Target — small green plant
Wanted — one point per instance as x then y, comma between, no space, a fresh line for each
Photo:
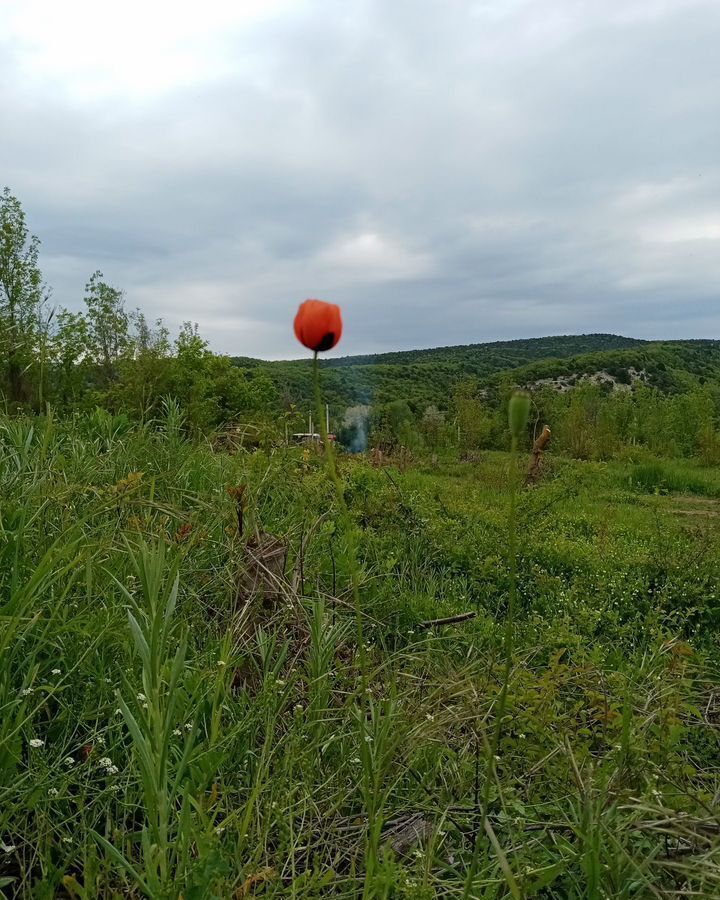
164,743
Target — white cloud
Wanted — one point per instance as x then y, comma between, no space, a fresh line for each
94,49
448,172
372,257
684,230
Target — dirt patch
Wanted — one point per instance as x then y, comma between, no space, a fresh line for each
695,506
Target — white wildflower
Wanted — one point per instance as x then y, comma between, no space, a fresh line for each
8,848
53,792
188,726
69,761
105,762
112,770
25,692
141,696
177,732
430,717
118,712
221,662
36,742
56,672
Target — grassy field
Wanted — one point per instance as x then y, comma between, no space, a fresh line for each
186,711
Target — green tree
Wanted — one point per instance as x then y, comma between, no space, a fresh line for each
474,423
22,294
145,369
433,426
211,389
108,326
393,425
69,356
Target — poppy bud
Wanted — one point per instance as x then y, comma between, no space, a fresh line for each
518,412
318,325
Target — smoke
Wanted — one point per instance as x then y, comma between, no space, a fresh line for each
355,426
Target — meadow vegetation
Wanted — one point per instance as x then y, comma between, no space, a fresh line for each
173,728
225,674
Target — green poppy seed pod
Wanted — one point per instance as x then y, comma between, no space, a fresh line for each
518,412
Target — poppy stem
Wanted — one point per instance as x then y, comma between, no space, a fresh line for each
366,718
347,526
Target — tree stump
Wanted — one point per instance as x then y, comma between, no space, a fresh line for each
538,449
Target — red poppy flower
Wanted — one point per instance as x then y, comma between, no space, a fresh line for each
318,325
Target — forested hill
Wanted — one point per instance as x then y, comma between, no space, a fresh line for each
480,358
669,366
424,377
483,358
427,376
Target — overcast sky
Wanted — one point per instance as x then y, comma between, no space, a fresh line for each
449,171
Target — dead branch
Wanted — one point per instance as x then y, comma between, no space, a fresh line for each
449,620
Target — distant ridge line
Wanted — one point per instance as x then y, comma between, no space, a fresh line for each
614,341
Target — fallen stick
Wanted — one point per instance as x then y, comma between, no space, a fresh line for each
450,620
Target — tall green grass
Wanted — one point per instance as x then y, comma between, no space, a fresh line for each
666,476
149,746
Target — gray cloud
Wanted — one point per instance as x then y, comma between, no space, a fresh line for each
447,170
